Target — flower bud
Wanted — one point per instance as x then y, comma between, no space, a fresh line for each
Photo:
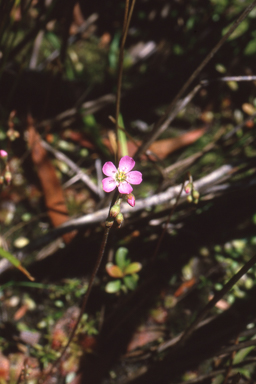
8,177
3,153
188,188
119,218
12,134
130,198
189,198
195,194
114,211
109,222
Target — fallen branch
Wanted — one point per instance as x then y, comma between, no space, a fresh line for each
202,185
171,193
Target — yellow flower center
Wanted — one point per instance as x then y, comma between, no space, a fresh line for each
120,176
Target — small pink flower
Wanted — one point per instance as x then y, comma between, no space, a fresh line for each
3,153
121,177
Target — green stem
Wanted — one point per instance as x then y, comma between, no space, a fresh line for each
127,19
87,294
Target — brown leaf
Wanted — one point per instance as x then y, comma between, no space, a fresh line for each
53,194
79,138
163,148
21,312
248,108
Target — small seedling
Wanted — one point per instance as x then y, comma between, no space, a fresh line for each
123,271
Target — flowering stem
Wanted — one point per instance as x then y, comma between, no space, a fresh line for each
92,278
127,19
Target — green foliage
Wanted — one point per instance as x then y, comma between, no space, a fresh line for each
122,137
239,31
113,52
121,257
15,262
250,48
124,269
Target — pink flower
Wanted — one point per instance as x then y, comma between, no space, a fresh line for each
121,177
3,153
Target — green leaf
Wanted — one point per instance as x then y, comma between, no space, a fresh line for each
113,286
232,85
218,379
121,260
122,137
90,121
53,40
113,52
131,281
250,48
241,355
15,262
91,126
132,268
114,270
239,31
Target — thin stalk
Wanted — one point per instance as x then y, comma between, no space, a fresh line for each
87,294
85,300
127,19
68,20
215,299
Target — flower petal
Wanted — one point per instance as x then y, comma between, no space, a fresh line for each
125,187
108,184
126,164
109,169
134,177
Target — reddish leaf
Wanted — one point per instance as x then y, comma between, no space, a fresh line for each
184,287
88,343
249,124
59,338
21,312
114,270
4,368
